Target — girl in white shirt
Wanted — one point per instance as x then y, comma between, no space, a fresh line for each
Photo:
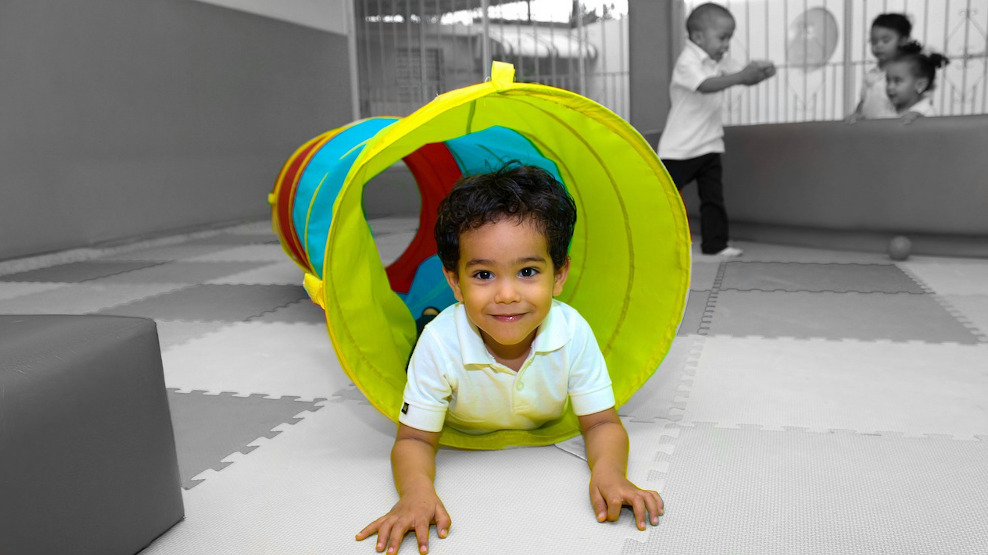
910,76
890,32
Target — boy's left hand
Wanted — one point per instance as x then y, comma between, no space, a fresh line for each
610,491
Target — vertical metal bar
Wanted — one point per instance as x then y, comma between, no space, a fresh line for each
350,17
984,80
967,28
848,56
581,31
946,39
806,49
423,66
485,44
385,84
553,55
749,96
535,38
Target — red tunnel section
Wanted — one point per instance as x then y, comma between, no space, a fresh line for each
436,171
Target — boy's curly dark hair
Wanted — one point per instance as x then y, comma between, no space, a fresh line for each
512,192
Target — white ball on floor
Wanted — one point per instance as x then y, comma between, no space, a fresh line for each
899,248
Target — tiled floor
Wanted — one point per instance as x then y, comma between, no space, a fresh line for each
814,402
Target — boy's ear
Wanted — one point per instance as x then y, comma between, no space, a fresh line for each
922,84
560,279
453,279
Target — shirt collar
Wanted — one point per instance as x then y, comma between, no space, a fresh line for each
699,53
552,335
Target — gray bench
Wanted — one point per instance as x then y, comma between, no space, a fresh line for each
87,451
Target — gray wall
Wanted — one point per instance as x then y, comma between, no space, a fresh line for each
123,119
655,33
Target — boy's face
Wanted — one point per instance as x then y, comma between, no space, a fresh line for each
885,43
506,281
715,36
902,87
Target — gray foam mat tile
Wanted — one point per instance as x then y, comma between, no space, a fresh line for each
839,278
228,303
702,276
972,309
768,252
744,491
182,272
76,272
208,428
235,239
696,307
862,316
301,312
83,298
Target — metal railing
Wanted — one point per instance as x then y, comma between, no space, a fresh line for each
409,51
821,50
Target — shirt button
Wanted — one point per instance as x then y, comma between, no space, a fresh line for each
520,386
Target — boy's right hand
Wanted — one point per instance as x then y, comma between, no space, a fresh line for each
415,511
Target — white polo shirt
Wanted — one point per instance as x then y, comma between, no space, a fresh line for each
452,378
875,103
694,126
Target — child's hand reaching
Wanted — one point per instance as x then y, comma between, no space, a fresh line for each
415,511
756,72
611,491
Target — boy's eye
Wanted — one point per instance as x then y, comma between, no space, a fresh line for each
528,272
483,274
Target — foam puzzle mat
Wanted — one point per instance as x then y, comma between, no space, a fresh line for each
813,401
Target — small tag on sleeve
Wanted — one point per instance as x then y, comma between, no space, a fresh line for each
404,408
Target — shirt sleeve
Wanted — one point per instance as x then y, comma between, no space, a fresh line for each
427,390
688,73
590,388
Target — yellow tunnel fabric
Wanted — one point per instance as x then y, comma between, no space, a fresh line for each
630,256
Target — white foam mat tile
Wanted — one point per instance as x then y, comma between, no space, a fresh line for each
10,290
82,298
392,245
283,272
320,481
951,278
264,252
172,333
166,252
869,387
276,359
385,226
662,396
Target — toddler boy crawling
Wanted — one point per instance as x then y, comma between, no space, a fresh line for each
507,355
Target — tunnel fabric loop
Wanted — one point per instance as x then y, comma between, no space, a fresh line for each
630,255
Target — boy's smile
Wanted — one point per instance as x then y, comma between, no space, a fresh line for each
505,280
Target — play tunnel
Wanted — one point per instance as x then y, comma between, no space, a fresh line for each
630,255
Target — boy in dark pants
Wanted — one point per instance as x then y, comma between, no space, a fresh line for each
692,142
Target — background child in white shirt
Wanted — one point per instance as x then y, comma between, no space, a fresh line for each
890,32
910,76
692,141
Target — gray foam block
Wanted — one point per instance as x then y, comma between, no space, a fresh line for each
88,461
76,272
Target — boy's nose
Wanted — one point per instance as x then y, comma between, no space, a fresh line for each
506,293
